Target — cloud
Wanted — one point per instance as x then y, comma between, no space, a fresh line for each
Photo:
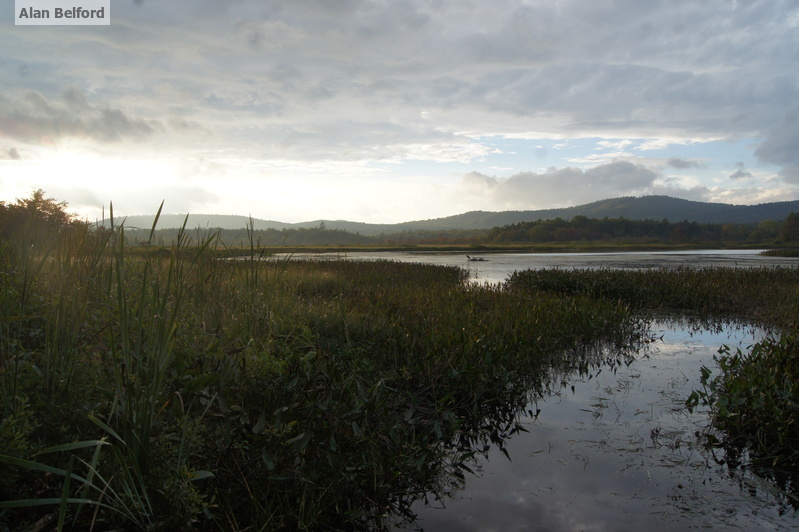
693,193
567,186
182,125
790,174
752,195
614,145
140,199
303,66
11,153
741,174
509,58
781,146
681,164
359,84
34,119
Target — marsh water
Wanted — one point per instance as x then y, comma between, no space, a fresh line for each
495,267
614,449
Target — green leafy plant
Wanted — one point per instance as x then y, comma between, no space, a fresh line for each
754,400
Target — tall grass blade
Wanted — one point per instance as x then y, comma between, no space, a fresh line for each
62,510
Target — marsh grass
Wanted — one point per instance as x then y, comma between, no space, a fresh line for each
766,295
173,389
781,252
753,398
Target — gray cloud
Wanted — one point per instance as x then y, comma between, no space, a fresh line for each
182,125
741,174
781,146
567,186
360,81
32,118
790,174
11,153
662,66
695,193
681,164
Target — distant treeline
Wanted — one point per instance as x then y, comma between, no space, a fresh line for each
581,228
316,236
50,214
578,229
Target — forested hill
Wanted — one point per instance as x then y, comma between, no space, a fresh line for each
631,208
643,208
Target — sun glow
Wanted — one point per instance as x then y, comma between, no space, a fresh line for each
85,179
98,172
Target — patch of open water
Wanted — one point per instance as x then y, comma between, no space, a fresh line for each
496,267
615,449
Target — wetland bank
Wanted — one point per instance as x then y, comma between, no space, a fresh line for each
166,389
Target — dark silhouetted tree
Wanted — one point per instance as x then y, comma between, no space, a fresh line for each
789,232
37,213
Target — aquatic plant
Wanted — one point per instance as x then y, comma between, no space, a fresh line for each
781,252
767,295
754,401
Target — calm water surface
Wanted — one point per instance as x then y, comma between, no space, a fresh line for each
615,450
497,266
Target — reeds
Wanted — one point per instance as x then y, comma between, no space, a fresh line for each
753,401
276,393
767,295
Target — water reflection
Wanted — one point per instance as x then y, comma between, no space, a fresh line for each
613,449
498,266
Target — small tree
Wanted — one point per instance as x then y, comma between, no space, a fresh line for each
36,213
789,232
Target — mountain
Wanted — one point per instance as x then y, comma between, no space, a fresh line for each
632,208
640,208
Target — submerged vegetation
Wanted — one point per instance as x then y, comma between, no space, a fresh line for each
172,389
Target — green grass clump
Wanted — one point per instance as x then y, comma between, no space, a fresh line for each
781,252
766,295
754,401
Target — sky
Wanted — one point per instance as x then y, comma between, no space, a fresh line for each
386,111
